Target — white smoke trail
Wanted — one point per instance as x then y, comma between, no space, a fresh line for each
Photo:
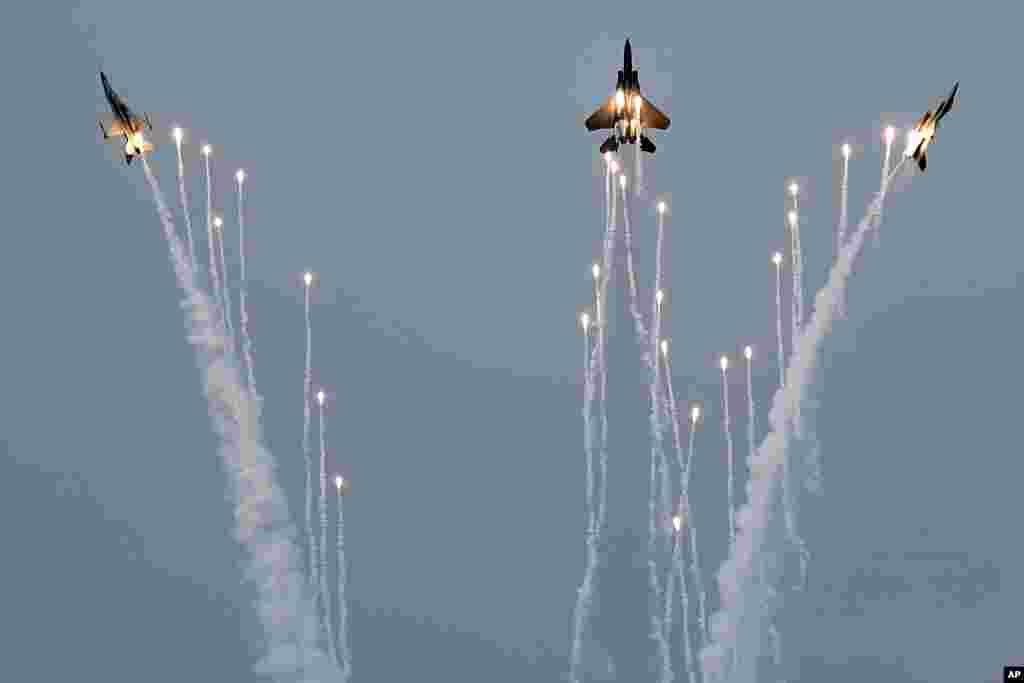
226,291
184,202
307,381
686,472
242,292
325,594
777,259
727,428
211,239
596,364
585,594
736,626
634,301
588,433
774,638
890,132
659,407
657,629
639,165
751,444
844,194
606,277
678,566
344,650
261,511
797,256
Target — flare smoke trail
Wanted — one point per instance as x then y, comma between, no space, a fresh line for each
751,443
886,161
634,300
226,291
242,291
325,594
736,625
843,218
606,278
778,318
798,269
307,381
684,512
686,472
657,628
261,511
211,239
844,194
595,369
659,404
680,574
184,202
727,427
588,434
639,167
774,639
585,594
343,647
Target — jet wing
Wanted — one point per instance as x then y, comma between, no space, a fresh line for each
604,117
947,104
111,127
651,116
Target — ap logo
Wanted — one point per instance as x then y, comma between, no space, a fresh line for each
1013,673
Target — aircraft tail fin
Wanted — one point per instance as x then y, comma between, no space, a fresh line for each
128,159
922,161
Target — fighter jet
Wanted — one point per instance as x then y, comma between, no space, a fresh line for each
627,113
923,134
126,123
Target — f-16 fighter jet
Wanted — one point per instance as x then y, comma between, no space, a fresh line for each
627,113
126,123
923,134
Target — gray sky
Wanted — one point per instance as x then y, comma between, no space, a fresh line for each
429,162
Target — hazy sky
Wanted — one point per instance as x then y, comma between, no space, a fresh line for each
429,162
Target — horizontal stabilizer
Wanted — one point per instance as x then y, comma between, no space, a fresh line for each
647,145
610,145
922,162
